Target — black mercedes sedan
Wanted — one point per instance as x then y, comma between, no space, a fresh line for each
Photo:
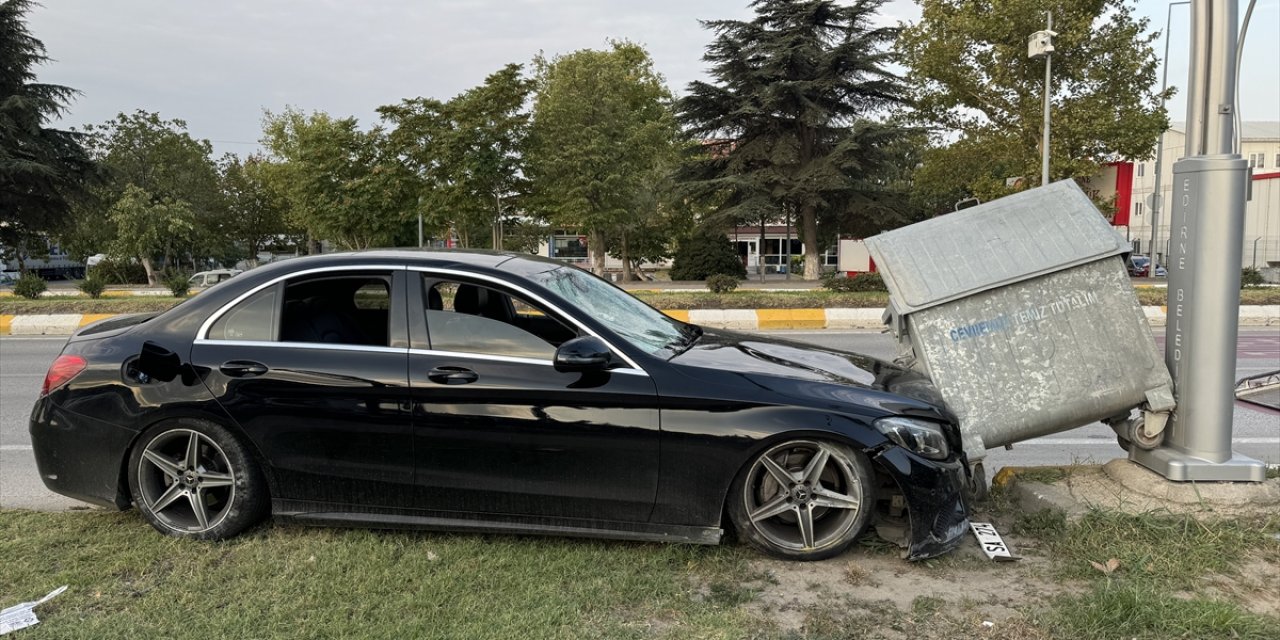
490,392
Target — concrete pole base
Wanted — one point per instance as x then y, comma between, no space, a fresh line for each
1181,467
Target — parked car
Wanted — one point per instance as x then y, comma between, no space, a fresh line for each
477,391
209,278
1139,266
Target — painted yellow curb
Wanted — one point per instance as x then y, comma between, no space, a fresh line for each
679,314
5,321
90,318
791,318
1005,476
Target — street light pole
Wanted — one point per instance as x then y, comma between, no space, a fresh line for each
1040,44
1157,198
1048,62
1207,234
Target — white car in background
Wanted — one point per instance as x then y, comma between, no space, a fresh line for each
210,278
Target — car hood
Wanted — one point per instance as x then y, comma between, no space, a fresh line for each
835,378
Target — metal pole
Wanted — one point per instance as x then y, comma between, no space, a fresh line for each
1207,239
419,222
787,252
1157,199
1044,162
1255,251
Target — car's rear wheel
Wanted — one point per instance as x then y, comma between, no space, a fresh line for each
195,479
803,499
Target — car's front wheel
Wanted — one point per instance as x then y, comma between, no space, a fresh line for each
195,479
803,499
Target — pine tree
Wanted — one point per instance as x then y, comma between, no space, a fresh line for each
41,168
787,117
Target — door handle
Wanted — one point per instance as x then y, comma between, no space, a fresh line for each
452,375
243,368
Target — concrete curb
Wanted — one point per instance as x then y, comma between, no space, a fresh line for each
739,319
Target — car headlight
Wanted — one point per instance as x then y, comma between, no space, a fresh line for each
924,438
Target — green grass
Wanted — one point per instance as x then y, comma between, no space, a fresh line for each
1138,610
1165,549
72,304
126,581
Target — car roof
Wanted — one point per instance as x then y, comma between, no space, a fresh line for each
502,260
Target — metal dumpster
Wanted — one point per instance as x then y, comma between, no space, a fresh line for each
1022,313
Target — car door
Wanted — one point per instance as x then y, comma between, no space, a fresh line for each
498,430
314,370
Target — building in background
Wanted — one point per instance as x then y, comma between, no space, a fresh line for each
1131,185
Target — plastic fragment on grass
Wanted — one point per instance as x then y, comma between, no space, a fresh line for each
23,615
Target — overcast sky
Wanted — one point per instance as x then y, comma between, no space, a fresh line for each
217,65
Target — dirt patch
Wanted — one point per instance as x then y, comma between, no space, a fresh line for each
1256,588
963,588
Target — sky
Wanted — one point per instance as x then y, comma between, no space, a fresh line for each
218,65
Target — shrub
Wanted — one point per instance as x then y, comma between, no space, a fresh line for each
860,282
93,285
722,283
704,254
1251,277
29,286
179,283
120,272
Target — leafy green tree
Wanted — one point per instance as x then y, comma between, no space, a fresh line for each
971,74
255,213
341,184
42,169
786,118
147,226
467,152
142,154
601,124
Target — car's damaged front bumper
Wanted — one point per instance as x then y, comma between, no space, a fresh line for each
934,495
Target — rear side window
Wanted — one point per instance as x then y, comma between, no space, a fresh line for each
252,319
351,309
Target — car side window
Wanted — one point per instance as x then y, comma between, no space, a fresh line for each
253,319
351,309
469,318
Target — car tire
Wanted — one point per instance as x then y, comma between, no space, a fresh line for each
216,496
803,499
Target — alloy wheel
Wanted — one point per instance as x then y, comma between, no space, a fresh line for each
186,481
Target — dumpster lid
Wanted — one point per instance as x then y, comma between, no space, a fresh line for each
998,243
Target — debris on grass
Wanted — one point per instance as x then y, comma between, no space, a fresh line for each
23,614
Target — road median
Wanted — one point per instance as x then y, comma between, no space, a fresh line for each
62,324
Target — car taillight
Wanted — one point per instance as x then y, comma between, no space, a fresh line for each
61,372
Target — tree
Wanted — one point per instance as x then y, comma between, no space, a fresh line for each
601,123
42,169
787,117
144,155
147,226
467,152
341,183
254,211
972,76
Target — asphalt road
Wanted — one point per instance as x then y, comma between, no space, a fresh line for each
23,362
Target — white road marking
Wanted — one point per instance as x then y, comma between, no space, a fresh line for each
15,447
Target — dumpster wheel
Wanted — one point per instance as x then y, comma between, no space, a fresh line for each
1138,435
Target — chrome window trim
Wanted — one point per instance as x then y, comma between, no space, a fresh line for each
536,298
324,346
511,359
202,335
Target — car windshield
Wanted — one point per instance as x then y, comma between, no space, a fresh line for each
636,322
1141,261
